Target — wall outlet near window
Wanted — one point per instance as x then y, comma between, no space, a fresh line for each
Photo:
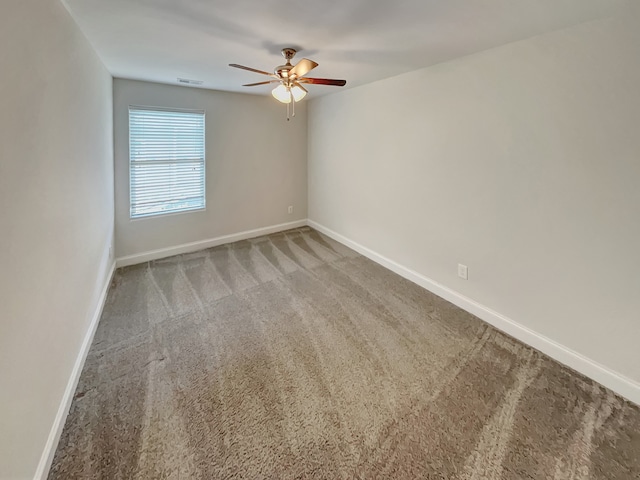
463,271
290,209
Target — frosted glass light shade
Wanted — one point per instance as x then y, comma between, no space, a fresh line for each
298,92
282,94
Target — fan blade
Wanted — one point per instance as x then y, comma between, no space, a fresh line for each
235,65
323,81
260,83
302,67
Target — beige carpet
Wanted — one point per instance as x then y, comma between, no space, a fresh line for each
291,356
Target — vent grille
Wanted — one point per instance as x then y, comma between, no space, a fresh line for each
189,82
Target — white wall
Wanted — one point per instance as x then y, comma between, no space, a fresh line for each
522,162
56,216
256,166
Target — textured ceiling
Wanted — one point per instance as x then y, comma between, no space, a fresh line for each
358,40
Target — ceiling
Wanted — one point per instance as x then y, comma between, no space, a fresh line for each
357,40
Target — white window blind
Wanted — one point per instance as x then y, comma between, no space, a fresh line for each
166,161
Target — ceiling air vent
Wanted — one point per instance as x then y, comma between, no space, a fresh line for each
189,82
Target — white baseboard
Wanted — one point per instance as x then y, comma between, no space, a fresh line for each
620,384
202,244
61,417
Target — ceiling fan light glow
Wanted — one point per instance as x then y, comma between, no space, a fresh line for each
282,94
298,92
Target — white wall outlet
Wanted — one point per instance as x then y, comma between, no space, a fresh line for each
463,271
290,209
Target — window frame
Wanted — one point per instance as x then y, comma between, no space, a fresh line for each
144,216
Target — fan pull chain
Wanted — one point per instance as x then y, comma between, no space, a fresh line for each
287,112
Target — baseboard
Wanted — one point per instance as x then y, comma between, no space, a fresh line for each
620,384
202,244
61,417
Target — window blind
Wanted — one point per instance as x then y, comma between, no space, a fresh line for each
166,161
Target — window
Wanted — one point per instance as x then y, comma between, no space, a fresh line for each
166,161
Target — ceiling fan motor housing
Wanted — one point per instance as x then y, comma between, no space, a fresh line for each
283,70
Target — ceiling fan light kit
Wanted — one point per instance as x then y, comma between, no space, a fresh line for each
282,94
290,78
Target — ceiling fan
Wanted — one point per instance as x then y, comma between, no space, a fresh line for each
291,78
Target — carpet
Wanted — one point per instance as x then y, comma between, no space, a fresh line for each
291,356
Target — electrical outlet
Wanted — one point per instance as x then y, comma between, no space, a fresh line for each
463,271
290,210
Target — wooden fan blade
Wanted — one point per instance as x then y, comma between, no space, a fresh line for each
302,67
260,83
235,65
323,81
